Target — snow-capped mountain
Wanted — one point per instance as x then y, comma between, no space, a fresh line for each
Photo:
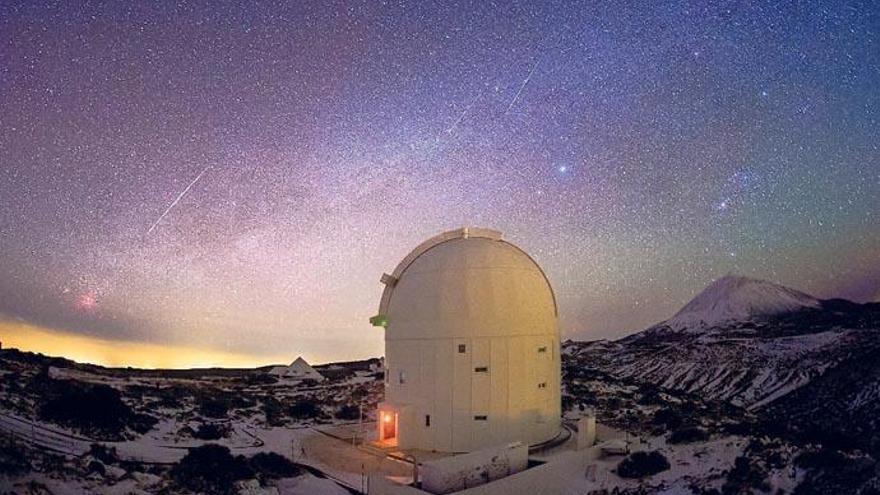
758,345
731,299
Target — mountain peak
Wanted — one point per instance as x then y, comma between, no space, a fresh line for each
736,298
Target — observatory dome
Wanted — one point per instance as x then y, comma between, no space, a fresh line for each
470,287
471,346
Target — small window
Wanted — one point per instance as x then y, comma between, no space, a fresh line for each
462,348
427,420
542,385
481,369
542,349
401,377
481,417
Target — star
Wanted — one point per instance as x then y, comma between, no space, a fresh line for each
722,205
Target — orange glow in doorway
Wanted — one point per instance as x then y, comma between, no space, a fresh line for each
388,428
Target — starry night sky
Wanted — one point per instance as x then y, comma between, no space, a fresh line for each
636,151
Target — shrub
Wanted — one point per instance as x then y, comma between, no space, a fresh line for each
142,423
272,466
210,469
348,412
103,453
274,411
742,428
650,395
95,409
841,474
217,404
13,459
213,407
744,478
211,431
688,435
304,409
641,464
668,417
359,393
824,458
96,467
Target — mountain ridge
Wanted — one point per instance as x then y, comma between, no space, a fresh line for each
735,298
775,351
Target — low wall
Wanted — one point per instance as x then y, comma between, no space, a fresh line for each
454,474
560,475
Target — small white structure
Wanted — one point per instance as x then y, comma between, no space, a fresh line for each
472,348
586,435
452,474
298,370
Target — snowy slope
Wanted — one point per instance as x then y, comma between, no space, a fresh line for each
733,298
746,341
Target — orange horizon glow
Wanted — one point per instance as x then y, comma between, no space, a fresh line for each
115,354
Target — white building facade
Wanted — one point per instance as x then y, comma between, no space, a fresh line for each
472,346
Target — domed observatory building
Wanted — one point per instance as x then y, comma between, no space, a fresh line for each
472,349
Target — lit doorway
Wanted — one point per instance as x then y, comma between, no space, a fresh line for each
388,427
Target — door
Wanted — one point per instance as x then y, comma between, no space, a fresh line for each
388,431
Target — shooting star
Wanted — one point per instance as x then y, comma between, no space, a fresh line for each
178,198
461,117
528,78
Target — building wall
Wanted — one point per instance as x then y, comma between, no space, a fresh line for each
432,378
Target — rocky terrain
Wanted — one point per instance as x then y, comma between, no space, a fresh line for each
801,369
67,427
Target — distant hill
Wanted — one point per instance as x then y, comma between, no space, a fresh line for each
779,352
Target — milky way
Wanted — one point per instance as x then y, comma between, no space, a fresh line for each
637,152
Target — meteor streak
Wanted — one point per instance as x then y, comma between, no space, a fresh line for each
178,198
461,117
528,78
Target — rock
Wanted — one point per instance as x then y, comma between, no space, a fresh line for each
145,479
252,487
96,467
114,472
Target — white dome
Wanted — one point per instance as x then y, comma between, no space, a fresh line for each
470,286
472,355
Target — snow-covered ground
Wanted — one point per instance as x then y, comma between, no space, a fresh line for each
318,427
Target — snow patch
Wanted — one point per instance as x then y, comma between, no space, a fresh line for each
734,298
